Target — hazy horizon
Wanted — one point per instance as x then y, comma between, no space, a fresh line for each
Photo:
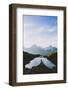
40,46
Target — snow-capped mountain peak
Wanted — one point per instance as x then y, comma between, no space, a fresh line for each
39,50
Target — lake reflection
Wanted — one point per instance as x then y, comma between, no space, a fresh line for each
37,61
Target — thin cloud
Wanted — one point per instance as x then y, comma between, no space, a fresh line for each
43,34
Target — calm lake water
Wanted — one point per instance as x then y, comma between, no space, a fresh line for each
37,61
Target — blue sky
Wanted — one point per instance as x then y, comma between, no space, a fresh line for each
40,30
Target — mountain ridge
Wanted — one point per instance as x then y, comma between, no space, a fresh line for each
39,50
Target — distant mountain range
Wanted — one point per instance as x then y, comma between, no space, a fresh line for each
42,51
